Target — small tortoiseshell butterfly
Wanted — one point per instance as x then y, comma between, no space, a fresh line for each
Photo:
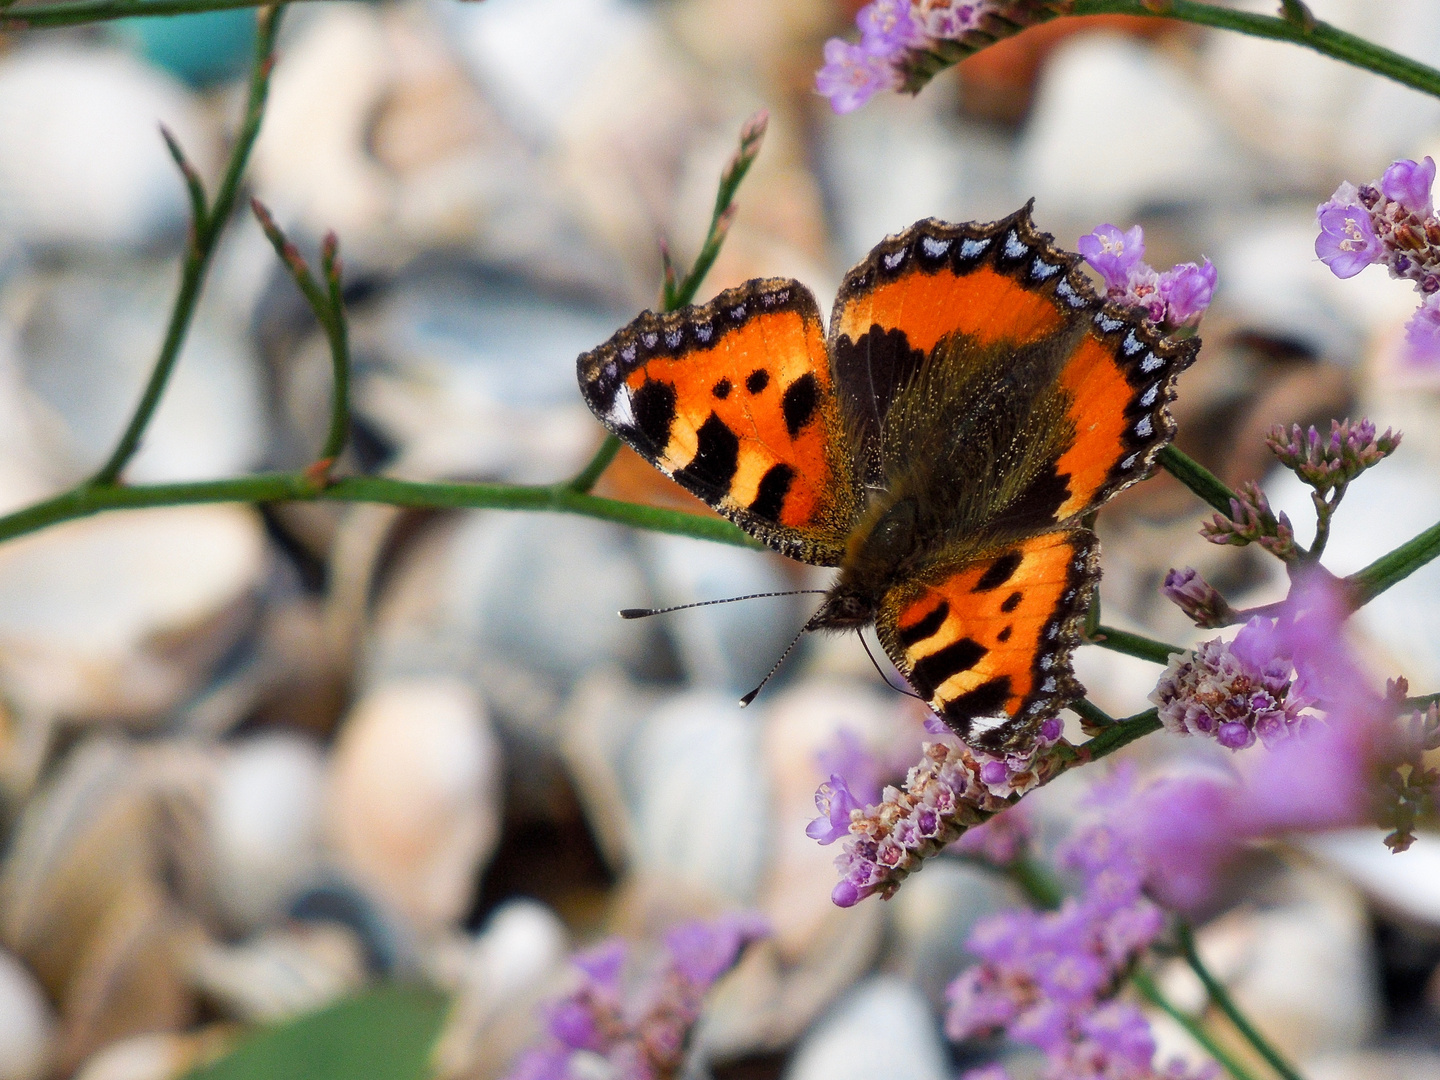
973,401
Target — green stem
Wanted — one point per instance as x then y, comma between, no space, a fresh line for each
1396,566
1093,716
585,481
1122,641
297,487
1145,984
337,332
1221,997
205,232
1197,478
1037,881
1121,733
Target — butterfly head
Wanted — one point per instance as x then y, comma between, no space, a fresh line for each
844,609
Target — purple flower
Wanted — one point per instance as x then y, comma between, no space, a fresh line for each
835,804
1408,183
888,28
1113,254
1186,290
701,952
853,74
1347,242
1422,332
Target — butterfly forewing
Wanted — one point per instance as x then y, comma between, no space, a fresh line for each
735,401
987,641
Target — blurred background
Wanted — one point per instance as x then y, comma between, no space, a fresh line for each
373,771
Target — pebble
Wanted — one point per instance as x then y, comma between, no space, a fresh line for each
883,1027
100,105
1077,162
265,826
27,1023
414,797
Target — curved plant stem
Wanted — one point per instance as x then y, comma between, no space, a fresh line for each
1122,641
1121,733
586,478
1221,997
1396,566
1197,478
338,333
295,487
205,228
1145,984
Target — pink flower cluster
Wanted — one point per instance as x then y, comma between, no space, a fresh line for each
952,789
1173,298
1391,221
633,1025
1048,978
889,31
1330,463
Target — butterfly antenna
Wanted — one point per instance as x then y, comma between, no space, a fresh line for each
643,612
794,641
881,671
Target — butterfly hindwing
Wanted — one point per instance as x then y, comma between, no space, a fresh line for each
986,641
735,401
1002,289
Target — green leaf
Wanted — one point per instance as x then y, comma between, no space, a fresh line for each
384,1034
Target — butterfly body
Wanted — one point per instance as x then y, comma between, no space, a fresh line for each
972,401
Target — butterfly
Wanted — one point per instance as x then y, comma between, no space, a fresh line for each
973,401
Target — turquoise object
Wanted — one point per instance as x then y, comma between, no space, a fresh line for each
200,49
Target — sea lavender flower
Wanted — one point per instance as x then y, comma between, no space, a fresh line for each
1392,222
1329,463
1251,521
1195,596
1232,692
1410,785
890,32
1048,978
627,1023
1175,298
950,790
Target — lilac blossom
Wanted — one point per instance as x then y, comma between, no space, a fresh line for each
1329,463
1252,521
853,74
626,1022
1049,978
1393,222
1172,299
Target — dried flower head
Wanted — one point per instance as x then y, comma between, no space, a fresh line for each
1410,786
950,790
1251,521
1195,596
1329,463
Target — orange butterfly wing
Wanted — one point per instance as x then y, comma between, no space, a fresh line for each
987,641
1006,284
735,401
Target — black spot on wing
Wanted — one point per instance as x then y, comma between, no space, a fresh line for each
1004,635
757,380
721,389
932,671
999,572
926,627
770,496
799,401
987,699
1012,602
716,457
654,408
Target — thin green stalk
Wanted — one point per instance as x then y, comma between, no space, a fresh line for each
1222,999
1394,567
1121,733
1122,641
338,334
586,479
1197,478
1094,717
678,294
205,232
1037,881
1145,984
91,499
